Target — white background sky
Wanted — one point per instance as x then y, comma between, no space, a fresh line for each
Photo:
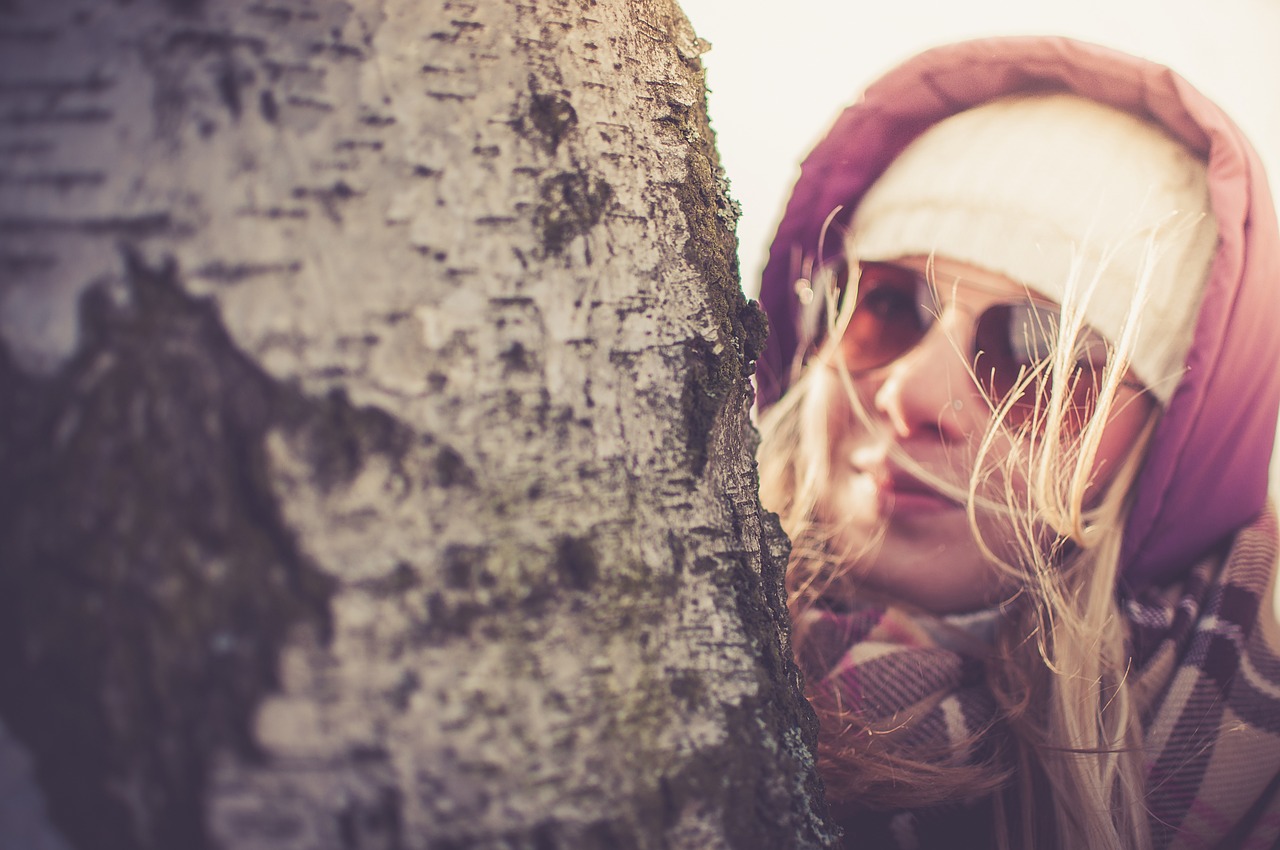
780,70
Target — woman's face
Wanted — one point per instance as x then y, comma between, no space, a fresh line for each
930,415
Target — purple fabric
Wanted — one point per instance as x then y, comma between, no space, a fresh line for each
1206,471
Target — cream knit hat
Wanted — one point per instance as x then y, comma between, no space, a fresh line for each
1027,186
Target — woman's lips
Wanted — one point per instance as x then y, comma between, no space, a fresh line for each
904,494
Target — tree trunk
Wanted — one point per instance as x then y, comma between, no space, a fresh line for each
375,462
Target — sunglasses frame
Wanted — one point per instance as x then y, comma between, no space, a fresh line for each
999,386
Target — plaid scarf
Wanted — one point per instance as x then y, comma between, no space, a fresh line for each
1206,658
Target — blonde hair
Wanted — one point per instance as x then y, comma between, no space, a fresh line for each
1070,773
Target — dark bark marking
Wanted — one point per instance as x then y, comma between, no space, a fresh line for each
239,272
704,565
337,50
549,120
157,415
463,566
755,328
578,562
688,688
707,382
227,81
357,144
277,15
571,204
27,147
93,84
447,467
205,41
195,67
445,95
273,212
372,825
679,553
402,693
85,115
517,358
21,264
544,837
28,36
472,588
121,227
149,579
329,197
267,106
620,833
188,8
59,181
399,581
339,439
447,616
309,103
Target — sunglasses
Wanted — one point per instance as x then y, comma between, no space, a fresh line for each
1013,339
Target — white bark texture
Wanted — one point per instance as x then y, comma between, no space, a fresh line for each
377,470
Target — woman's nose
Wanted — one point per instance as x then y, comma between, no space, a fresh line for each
929,390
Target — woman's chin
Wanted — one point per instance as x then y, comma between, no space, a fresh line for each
932,561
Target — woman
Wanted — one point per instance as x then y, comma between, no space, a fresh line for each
1017,409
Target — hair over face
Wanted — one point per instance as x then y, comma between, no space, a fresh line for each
1206,471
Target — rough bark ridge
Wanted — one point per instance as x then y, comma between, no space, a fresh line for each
375,466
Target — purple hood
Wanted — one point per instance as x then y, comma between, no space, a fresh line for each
1206,472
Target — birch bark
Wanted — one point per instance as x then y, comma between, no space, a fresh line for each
375,462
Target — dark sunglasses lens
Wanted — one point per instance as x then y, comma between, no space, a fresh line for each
891,316
1009,341
1012,340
